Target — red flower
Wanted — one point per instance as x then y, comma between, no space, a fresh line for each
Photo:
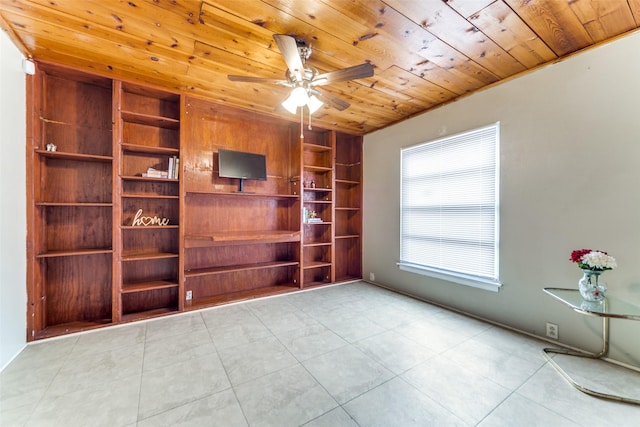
576,256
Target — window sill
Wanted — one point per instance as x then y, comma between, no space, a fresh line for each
474,282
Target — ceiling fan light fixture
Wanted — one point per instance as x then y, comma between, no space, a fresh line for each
290,105
298,98
314,104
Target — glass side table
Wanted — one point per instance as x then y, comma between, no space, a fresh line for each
609,308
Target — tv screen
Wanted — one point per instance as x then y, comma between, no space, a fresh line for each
238,164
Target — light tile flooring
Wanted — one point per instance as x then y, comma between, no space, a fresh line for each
347,355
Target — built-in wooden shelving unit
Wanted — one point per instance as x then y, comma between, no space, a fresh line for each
110,245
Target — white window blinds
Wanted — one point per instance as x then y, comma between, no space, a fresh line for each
449,205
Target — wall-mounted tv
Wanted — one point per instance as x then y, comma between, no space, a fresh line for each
241,165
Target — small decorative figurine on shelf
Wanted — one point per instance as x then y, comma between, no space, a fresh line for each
51,147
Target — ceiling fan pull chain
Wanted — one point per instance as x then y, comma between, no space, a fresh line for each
310,128
301,122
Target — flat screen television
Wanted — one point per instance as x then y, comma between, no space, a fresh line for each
241,165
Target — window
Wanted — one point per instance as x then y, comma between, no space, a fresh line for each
449,208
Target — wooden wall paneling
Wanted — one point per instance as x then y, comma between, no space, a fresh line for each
228,213
601,19
634,5
350,256
82,124
296,189
219,244
317,159
348,228
90,181
332,206
151,303
191,47
36,268
71,228
119,186
347,222
153,240
155,270
503,25
233,255
184,123
149,211
78,290
554,23
242,283
72,201
238,245
212,127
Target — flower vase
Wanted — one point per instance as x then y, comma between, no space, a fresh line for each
592,287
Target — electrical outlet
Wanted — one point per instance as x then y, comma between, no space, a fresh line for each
189,295
552,331
372,277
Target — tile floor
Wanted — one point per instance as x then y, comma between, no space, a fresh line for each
347,355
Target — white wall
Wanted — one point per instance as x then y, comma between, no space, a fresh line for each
570,179
13,223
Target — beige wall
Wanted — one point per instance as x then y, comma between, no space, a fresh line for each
570,178
13,214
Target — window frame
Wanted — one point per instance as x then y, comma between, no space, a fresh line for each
487,283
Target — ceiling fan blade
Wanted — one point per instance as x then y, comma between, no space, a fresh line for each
289,50
332,100
249,79
350,73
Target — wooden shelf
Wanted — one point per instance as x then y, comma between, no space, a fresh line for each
150,120
226,298
74,252
149,227
147,256
75,204
241,267
239,237
316,147
148,196
316,284
148,286
146,178
243,194
126,273
148,280
71,327
148,149
327,202
347,278
316,264
309,245
317,189
347,182
317,168
147,314
74,156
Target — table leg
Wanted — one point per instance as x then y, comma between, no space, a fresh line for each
605,350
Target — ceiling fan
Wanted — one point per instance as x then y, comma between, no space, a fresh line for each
304,79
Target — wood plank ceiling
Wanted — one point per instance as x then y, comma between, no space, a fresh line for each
425,52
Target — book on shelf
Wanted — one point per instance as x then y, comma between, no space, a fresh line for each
155,173
174,167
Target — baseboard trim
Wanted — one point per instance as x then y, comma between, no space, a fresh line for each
501,325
